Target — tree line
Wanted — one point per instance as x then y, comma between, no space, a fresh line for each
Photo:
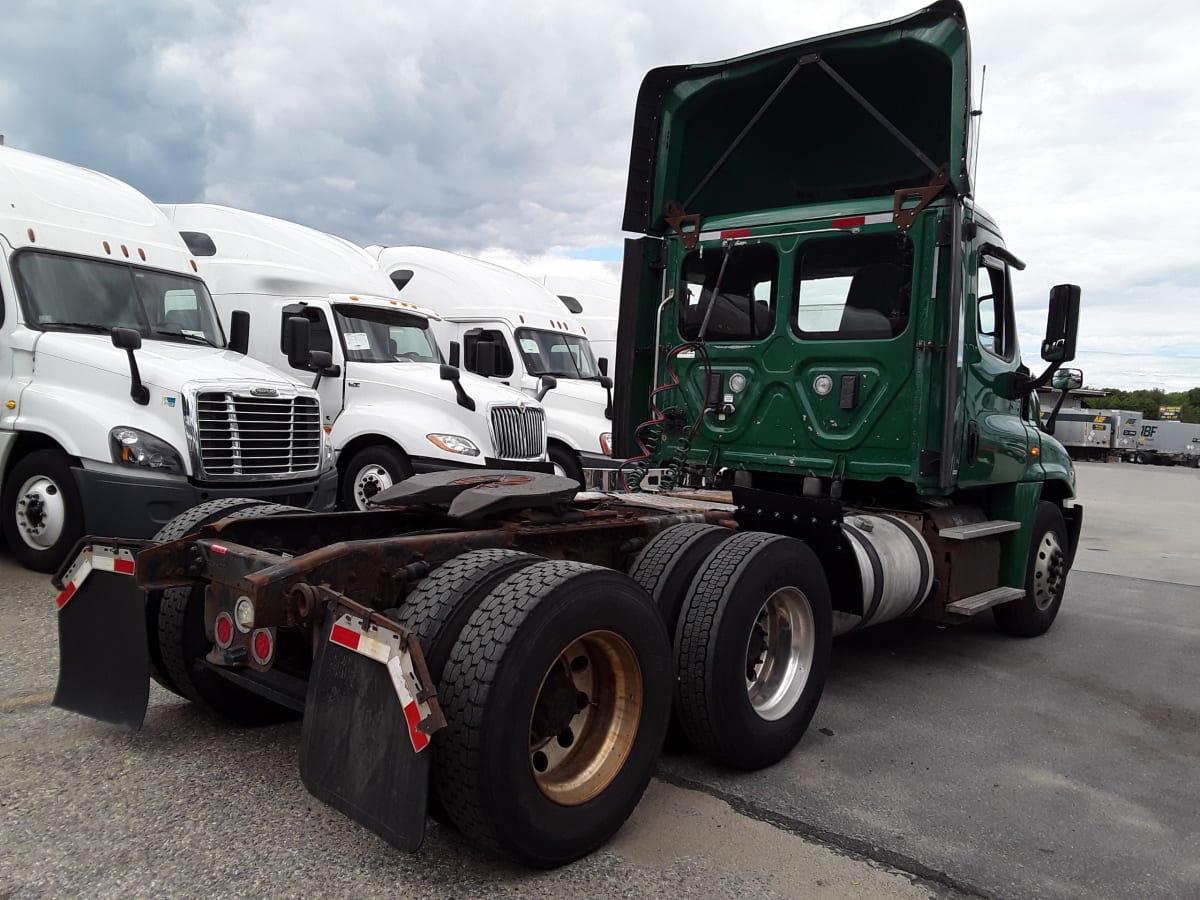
1148,402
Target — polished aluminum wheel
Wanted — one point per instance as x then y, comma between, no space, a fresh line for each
779,653
585,718
1049,571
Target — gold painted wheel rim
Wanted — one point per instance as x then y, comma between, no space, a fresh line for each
585,718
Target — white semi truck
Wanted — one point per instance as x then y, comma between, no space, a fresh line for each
595,304
392,406
123,403
511,329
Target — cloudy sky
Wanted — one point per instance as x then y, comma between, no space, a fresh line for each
502,129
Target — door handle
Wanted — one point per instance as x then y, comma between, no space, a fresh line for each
972,443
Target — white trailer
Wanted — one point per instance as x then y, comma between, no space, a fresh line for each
1167,443
514,330
392,406
123,402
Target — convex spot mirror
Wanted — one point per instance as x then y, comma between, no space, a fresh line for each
1062,324
126,338
322,361
1068,379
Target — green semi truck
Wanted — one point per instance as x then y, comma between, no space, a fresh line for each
820,363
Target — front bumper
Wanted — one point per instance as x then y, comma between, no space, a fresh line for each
126,506
423,464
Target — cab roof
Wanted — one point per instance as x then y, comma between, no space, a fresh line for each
243,252
52,205
462,287
787,127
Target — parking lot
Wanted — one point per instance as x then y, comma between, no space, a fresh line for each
940,762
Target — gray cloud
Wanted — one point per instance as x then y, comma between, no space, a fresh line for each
505,127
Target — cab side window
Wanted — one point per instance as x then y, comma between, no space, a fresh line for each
471,341
994,318
319,335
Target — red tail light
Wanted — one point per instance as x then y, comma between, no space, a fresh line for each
223,630
262,646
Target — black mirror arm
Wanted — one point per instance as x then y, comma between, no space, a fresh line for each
1053,417
547,384
1019,385
138,391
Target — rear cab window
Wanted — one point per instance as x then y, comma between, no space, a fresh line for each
853,288
729,294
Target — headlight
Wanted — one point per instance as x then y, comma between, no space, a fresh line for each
453,443
606,443
131,447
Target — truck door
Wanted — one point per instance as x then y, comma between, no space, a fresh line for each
995,442
321,337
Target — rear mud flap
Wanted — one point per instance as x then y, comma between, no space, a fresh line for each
367,721
103,658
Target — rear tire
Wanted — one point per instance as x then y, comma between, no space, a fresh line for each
371,470
752,649
556,696
1045,578
185,523
183,643
665,569
43,514
441,604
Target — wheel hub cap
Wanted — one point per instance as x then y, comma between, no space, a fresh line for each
1049,571
370,481
41,512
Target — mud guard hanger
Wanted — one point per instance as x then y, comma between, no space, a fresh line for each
687,225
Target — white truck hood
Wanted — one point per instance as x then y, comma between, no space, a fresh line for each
165,365
425,379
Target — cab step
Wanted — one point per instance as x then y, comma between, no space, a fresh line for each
977,603
978,529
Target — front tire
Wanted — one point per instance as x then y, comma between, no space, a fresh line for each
566,463
556,696
371,470
1045,578
43,514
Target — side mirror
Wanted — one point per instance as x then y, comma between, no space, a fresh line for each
239,331
1067,379
455,352
126,338
452,374
322,361
603,363
449,373
1062,324
547,384
606,382
298,355
485,359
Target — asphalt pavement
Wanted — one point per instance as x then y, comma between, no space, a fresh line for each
940,762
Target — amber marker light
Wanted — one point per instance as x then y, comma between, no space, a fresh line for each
1035,452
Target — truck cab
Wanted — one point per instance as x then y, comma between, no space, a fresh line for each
818,307
594,303
122,398
530,340
392,406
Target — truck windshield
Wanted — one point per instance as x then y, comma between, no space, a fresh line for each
554,353
375,335
73,293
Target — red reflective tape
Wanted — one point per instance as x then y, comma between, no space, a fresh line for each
850,222
735,233
345,637
420,739
123,566
67,594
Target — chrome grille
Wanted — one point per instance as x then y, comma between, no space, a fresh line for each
519,432
240,434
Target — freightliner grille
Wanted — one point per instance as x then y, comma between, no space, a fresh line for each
519,433
240,434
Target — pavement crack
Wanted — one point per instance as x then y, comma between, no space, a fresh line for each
845,844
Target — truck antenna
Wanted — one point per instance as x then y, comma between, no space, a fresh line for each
977,114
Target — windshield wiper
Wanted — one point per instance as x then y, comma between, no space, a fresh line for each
184,336
90,326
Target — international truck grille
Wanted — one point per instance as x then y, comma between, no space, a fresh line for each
519,432
271,437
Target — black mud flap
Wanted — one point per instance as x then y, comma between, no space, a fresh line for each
103,658
367,721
